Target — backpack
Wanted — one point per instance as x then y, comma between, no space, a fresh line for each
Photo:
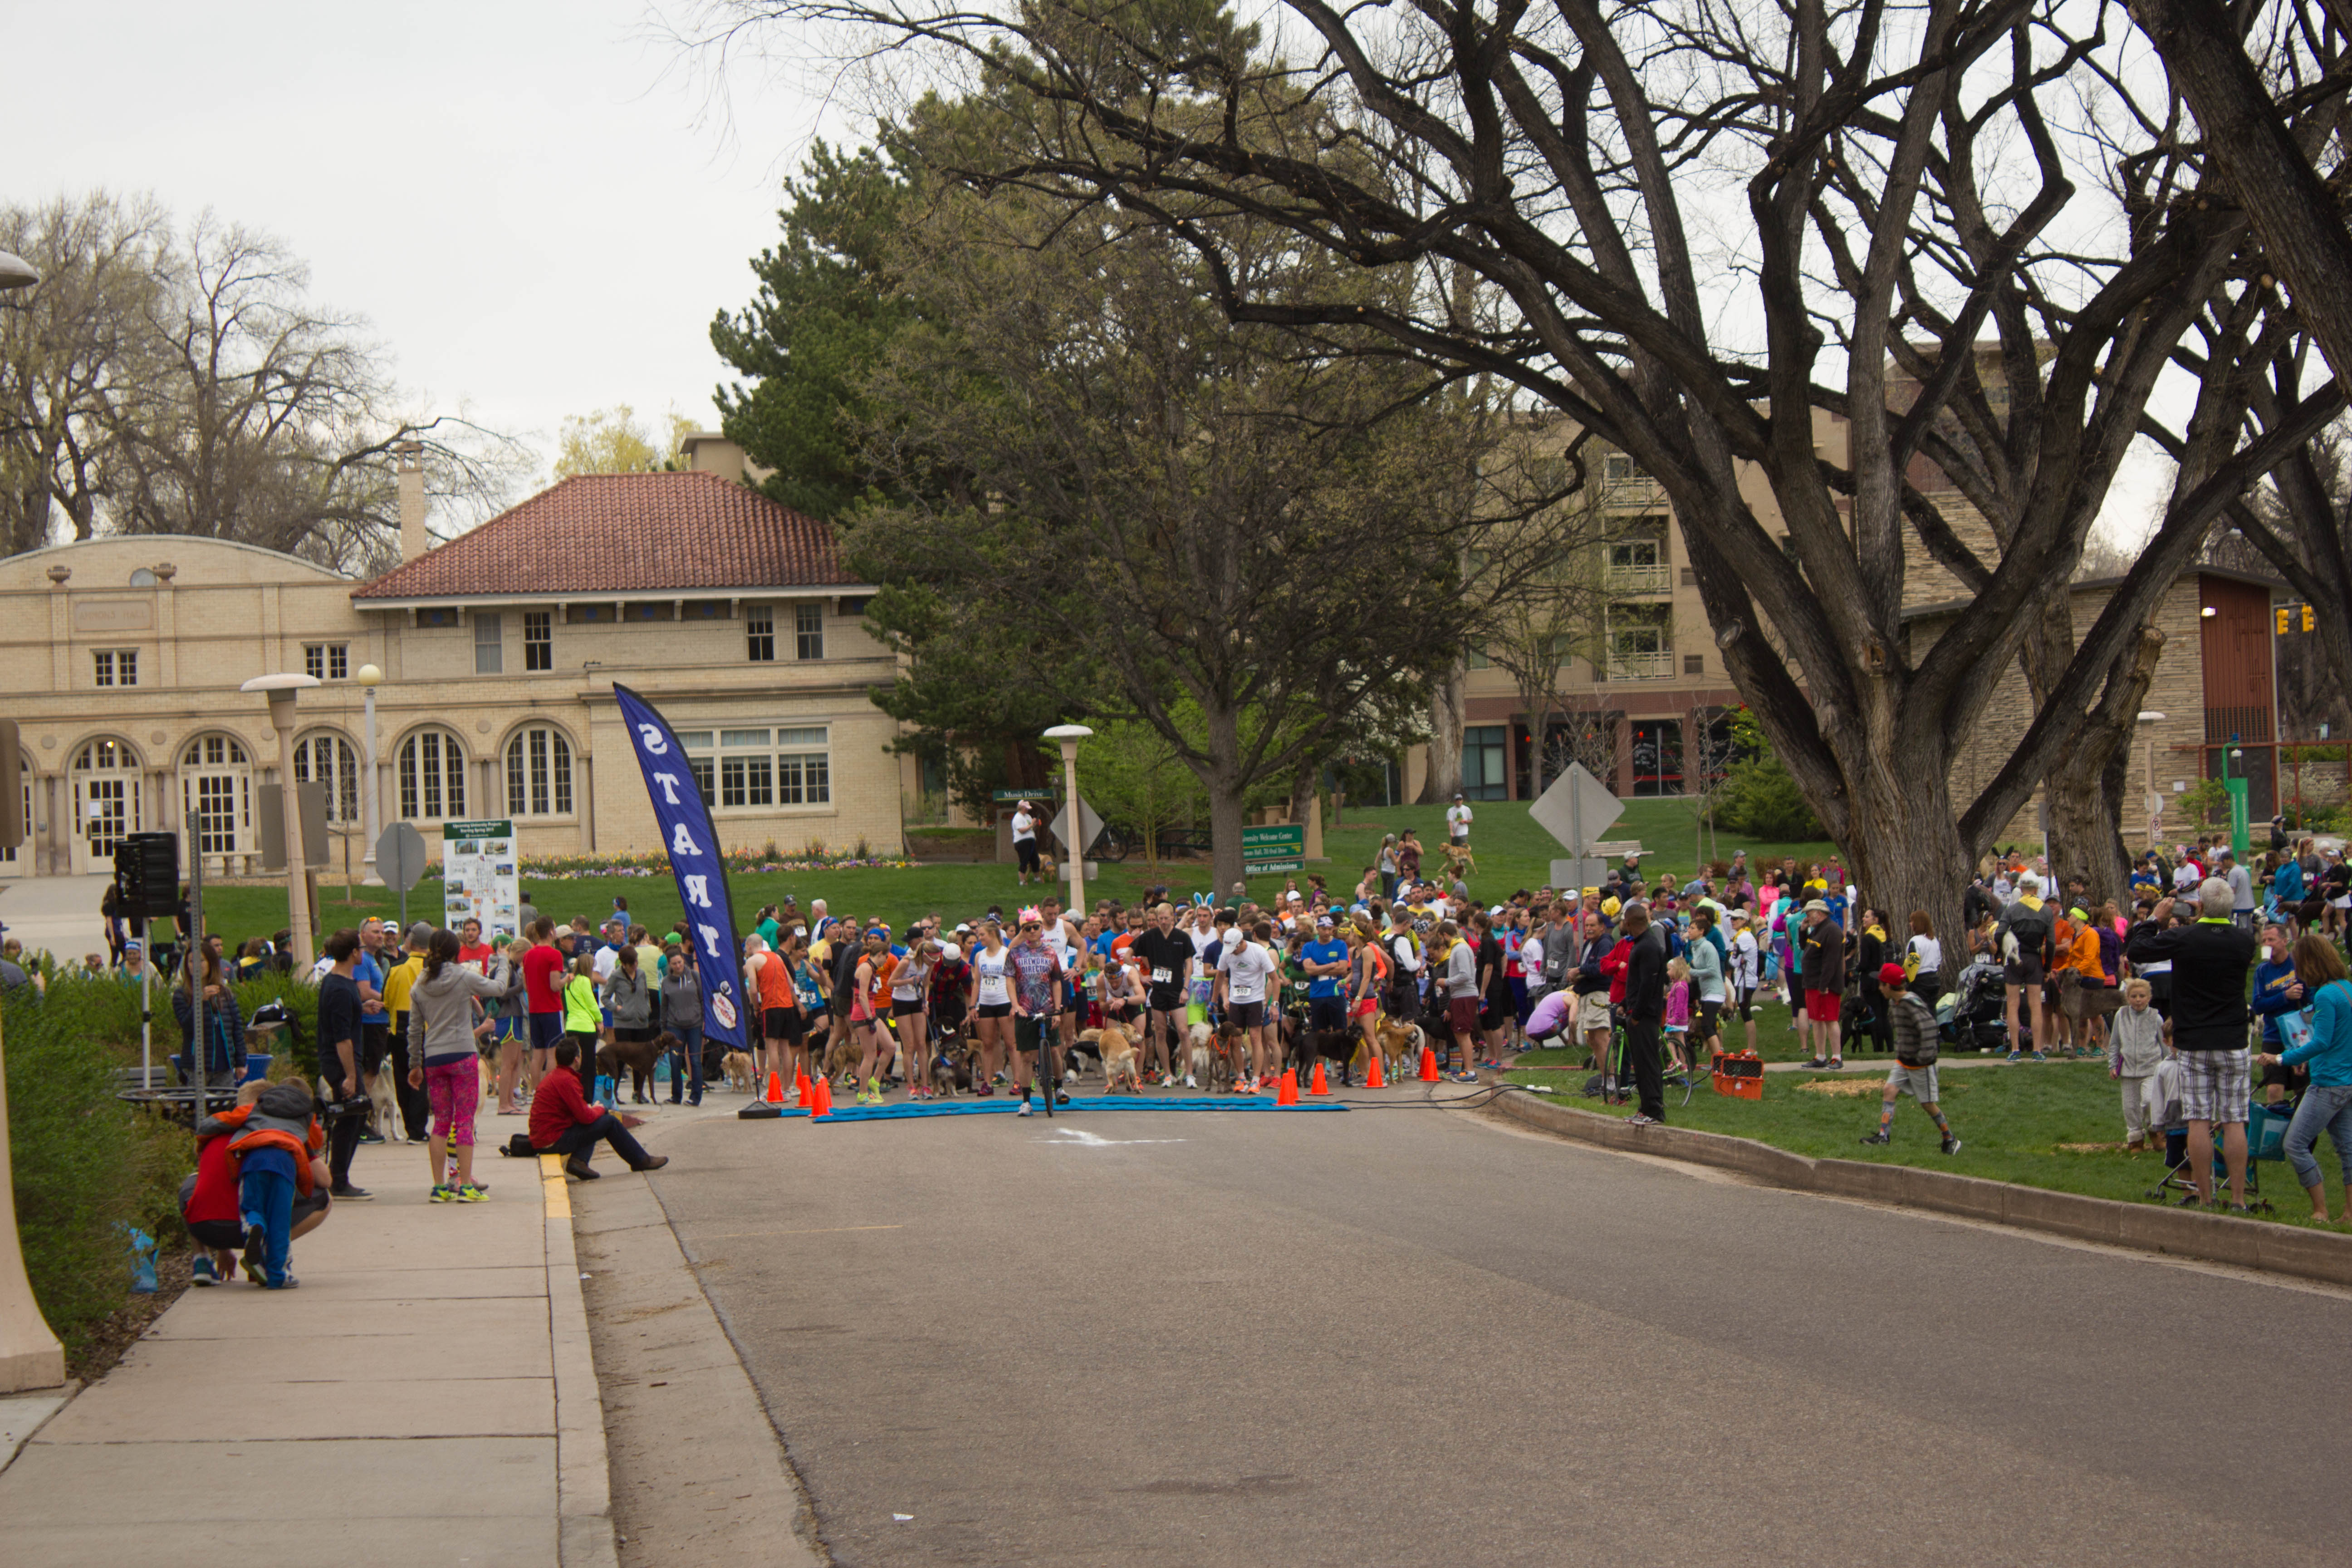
1556,957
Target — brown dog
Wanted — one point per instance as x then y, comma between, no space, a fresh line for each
1400,1048
1120,1059
2078,1001
841,1059
736,1066
638,1057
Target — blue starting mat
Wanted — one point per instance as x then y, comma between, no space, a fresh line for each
922,1109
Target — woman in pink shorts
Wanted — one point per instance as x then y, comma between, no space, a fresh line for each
441,1013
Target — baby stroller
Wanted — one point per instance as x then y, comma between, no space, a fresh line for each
1970,1012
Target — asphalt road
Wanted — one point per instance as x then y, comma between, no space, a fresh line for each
1412,1337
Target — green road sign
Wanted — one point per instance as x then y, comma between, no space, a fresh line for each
1265,849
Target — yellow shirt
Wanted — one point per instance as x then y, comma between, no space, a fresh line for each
397,984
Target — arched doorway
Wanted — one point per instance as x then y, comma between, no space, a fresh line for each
216,780
106,804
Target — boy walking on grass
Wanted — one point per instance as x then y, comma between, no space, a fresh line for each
1916,1044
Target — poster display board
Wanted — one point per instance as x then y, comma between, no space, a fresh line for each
479,877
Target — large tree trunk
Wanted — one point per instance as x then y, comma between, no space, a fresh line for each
1227,811
1446,704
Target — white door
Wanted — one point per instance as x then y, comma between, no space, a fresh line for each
105,804
217,792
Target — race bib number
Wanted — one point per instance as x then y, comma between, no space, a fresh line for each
1161,977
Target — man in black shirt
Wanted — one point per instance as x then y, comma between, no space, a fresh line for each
341,1032
1645,1010
2211,960
1164,955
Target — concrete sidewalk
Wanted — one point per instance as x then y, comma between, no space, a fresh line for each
426,1395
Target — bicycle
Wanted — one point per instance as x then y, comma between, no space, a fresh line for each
1615,1078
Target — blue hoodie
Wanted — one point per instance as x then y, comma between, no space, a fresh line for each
2271,982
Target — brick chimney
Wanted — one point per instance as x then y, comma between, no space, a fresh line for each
408,462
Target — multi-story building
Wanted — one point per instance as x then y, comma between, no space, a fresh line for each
122,658
1650,679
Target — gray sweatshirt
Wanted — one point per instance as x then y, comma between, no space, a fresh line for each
442,1007
631,1000
681,998
2135,1041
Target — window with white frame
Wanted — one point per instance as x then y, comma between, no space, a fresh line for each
329,760
753,770
538,773
489,643
432,766
808,630
538,640
114,666
326,660
759,633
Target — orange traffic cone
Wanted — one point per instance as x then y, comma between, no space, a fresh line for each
823,1104
775,1087
1286,1091
1373,1078
1315,1084
800,1086
1428,1064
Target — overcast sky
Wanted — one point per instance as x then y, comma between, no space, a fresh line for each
531,201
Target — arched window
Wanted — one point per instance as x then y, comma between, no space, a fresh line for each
538,773
216,788
329,760
432,777
105,800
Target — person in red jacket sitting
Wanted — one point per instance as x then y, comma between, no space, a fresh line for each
565,1122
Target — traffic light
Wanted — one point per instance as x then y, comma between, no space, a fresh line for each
147,876
2309,620
2284,612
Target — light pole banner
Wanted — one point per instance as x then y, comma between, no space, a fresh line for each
695,860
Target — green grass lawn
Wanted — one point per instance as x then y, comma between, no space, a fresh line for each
2012,1122
1513,853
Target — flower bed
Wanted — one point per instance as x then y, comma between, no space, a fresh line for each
768,858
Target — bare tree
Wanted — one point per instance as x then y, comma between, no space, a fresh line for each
183,381
71,350
1532,634
1906,177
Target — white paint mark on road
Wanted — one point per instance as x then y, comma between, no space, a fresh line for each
1078,1137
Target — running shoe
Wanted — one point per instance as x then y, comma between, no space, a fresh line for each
257,1243
1882,1138
201,1272
2015,1056
2035,1056
874,1091
443,1196
1025,1107
469,1194
350,1193
1638,1119
1951,1145
1191,1082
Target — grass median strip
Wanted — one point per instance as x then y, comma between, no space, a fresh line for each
2055,1125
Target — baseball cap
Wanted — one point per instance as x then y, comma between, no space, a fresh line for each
1891,974
420,931
1322,919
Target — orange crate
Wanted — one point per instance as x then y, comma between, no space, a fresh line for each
1740,1076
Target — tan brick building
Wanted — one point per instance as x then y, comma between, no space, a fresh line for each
122,658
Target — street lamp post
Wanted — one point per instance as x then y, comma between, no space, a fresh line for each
30,1356
1070,735
370,678
281,690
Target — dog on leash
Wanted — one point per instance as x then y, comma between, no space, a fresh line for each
1400,1047
736,1066
384,1111
1200,1055
1120,1060
841,1059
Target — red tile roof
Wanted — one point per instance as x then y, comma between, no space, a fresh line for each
624,533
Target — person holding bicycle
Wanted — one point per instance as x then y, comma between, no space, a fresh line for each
1035,977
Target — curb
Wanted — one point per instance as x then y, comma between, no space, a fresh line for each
2173,1232
584,1484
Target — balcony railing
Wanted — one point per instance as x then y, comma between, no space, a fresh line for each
1640,665
1633,492
1623,579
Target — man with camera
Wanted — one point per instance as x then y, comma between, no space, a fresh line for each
341,1033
